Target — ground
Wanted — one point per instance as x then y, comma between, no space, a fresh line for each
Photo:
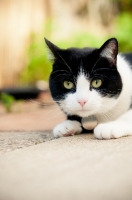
36,166
29,123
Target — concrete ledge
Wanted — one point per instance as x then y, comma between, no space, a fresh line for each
11,140
78,167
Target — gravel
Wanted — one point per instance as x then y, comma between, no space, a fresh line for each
10,141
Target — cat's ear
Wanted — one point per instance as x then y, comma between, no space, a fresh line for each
53,50
109,50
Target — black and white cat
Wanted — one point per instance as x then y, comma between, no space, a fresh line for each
97,82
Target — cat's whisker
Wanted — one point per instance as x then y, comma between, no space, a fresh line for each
107,111
109,92
58,113
109,69
48,105
102,76
95,64
64,62
39,103
66,65
111,114
49,118
44,104
104,106
35,102
45,115
53,101
59,75
105,116
60,71
52,111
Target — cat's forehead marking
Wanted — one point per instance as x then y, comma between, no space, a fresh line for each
82,82
82,89
82,70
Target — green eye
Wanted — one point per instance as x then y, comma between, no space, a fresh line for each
96,83
68,85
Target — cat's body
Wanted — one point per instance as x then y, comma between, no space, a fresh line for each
97,82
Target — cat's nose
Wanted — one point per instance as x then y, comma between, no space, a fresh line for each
82,102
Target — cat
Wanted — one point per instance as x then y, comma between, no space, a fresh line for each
92,81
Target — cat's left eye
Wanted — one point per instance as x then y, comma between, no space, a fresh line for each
96,83
68,85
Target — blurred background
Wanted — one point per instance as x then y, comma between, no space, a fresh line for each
79,23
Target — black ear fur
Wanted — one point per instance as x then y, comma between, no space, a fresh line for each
109,50
53,50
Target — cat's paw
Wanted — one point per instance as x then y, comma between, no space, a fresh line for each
111,130
67,128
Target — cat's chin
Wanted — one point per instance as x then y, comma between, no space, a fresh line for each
83,113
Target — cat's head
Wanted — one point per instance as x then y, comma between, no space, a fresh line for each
85,81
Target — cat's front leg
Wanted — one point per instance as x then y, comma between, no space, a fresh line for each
111,130
115,129
67,128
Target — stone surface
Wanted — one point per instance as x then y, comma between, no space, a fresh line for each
77,167
16,140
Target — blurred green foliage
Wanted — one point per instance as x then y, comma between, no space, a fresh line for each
123,31
81,40
38,66
7,101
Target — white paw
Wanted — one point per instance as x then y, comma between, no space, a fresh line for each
67,128
114,129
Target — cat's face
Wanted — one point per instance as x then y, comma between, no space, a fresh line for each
85,81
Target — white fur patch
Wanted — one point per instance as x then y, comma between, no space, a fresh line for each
82,88
113,129
67,128
92,98
113,115
107,53
50,55
120,117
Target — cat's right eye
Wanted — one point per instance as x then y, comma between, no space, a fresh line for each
96,83
68,85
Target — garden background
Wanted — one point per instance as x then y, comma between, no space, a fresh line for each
24,24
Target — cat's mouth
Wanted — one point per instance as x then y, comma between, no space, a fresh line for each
84,112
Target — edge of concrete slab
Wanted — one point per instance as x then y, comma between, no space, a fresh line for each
77,167
12,140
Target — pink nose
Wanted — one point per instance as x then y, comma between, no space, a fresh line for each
82,102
